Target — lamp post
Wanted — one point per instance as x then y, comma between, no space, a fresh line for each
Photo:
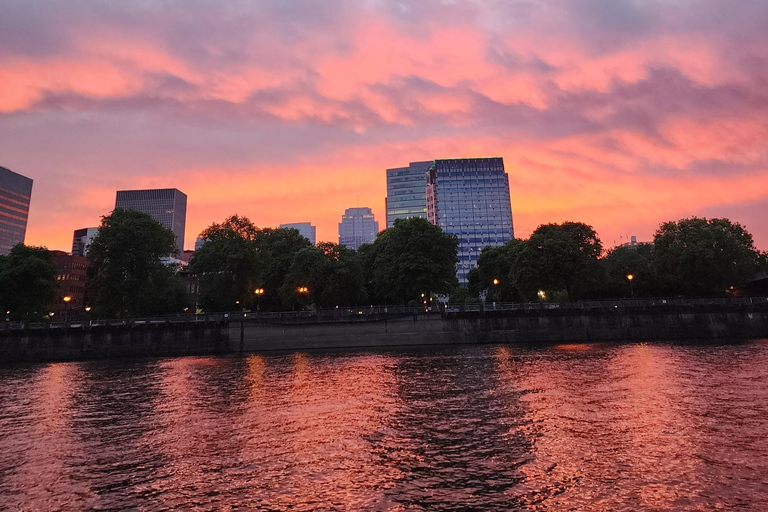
542,295
630,277
66,300
259,292
302,291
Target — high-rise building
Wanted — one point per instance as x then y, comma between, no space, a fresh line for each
406,192
306,229
82,239
357,227
168,206
15,193
199,242
469,198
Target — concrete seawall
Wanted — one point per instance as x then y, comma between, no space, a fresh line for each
230,335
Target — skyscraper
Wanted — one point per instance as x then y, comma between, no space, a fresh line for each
469,198
306,229
406,192
168,206
15,194
82,239
357,227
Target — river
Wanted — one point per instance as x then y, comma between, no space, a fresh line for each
599,427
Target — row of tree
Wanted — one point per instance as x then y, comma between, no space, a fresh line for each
691,257
243,267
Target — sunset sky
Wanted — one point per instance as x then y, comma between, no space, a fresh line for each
618,113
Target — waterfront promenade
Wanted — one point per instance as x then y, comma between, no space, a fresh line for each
386,326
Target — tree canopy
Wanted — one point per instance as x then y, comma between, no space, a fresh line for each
698,256
126,274
27,282
411,258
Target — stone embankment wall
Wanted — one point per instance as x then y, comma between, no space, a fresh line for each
117,340
551,324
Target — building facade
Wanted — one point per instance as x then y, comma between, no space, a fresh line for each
469,198
82,239
71,274
406,192
15,195
306,229
168,206
357,227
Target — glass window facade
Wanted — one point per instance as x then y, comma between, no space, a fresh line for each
306,229
167,206
406,192
15,195
82,239
469,198
357,227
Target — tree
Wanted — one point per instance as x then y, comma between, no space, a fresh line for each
637,261
27,282
279,248
559,257
332,274
229,265
494,272
126,274
411,258
697,256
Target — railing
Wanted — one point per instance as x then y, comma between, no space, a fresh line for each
368,313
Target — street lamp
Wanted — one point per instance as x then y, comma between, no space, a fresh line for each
542,295
496,282
259,292
630,277
66,300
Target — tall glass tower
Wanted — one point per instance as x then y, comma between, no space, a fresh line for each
15,194
469,198
357,227
168,206
406,192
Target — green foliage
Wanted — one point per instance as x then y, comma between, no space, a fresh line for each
558,256
698,257
27,282
494,272
126,276
411,258
278,248
639,262
332,273
229,265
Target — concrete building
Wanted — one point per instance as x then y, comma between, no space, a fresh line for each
15,195
306,229
71,275
168,206
406,192
357,227
82,239
469,198
199,242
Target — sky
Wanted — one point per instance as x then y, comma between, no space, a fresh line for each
619,113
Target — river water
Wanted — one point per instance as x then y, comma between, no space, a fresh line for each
569,427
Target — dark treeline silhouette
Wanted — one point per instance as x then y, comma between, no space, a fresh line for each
242,267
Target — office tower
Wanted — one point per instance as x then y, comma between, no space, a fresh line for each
357,227
15,193
469,198
199,242
406,192
306,229
168,206
82,239
71,272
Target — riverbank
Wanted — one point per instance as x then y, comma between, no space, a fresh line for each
386,327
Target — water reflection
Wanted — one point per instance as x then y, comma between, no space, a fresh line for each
575,427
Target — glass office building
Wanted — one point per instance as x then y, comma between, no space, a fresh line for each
357,227
306,229
406,192
469,198
15,194
82,239
167,206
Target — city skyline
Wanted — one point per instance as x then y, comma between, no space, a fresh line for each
618,114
